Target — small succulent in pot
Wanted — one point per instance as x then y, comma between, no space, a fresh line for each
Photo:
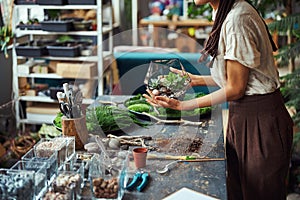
161,81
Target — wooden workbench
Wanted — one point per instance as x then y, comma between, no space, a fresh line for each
205,177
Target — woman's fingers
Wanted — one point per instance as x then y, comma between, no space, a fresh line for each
176,71
161,101
150,98
168,102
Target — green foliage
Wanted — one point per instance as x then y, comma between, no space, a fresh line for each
285,24
154,83
139,104
288,24
196,11
110,118
6,35
291,90
57,120
140,107
174,81
266,5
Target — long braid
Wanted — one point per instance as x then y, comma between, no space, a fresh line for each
211,46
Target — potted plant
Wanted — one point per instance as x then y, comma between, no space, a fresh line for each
6,34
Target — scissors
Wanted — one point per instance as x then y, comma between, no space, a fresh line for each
66,109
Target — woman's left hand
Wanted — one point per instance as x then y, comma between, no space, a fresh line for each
162,101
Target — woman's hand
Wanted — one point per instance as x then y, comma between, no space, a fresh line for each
162,101
180,72
197,80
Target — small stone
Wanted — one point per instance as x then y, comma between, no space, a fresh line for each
114,143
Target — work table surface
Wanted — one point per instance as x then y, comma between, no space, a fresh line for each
205,177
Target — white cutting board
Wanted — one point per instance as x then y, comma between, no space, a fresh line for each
186,193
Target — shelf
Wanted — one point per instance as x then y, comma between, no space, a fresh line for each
79,58
28,121
59,7
101,58
62,7
37,75
41,32
105,29
49,76
49,100
38,99
106,54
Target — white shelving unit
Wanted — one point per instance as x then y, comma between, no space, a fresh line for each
100,57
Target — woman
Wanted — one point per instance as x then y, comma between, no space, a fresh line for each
259,132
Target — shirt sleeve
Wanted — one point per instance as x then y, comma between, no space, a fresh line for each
240,44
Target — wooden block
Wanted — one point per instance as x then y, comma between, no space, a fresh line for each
40,69
76,127
43,108
30,92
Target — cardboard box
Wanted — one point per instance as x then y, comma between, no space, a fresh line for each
25,69
76,70
44,113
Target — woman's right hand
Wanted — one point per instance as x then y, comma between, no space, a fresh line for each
192,76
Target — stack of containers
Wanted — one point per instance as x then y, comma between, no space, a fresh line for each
53,170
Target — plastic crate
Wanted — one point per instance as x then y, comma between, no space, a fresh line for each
62,50
82,2
25,2
57,26
53,2
33,49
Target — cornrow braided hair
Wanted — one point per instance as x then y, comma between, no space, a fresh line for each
211,46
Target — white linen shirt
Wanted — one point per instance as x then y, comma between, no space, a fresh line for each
244,38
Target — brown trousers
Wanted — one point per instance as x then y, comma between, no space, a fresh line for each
258,148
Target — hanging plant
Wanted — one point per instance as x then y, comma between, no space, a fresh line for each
6,33
6,36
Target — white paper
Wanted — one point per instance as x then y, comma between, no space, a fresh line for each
186,193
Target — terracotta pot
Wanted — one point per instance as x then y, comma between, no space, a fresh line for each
140,156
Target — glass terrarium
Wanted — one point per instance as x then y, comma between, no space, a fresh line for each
108,175
51,162
161,81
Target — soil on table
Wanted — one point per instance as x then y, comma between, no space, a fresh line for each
178,146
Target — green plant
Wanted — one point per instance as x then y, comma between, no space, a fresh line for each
195,11
6,36
6,33
264,6
174,81
291,91
289,25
